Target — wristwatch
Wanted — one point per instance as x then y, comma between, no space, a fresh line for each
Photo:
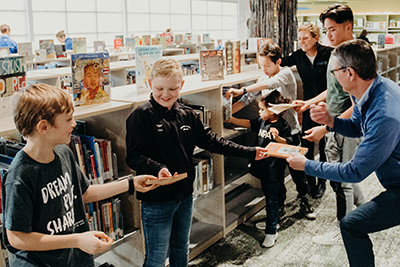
244,90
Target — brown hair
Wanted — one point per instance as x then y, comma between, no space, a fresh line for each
165,67
4,28
270,50
313,29
60,34
39,102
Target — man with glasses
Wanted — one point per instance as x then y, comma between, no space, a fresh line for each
376,110
338,23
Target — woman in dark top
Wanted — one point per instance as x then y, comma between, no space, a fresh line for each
312,63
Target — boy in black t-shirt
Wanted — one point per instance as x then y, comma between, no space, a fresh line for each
44,190
271,171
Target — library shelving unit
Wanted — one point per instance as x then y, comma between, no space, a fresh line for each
213,215
389,62
374,23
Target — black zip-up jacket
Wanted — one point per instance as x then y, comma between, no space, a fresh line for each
313,76
157,137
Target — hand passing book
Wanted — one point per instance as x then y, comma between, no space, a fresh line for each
168,180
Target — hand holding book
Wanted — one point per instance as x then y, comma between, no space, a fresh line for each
167,180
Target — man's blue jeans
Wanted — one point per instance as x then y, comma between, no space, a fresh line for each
382,212
166,228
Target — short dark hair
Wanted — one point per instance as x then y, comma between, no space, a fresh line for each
274,97
358,55
270,50
337,12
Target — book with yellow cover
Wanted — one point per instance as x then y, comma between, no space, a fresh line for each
280,150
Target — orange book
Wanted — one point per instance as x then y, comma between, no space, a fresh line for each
284,151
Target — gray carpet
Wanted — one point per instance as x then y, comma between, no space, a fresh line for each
242,246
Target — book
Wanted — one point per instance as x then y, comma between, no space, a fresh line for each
226,107
155,41
212,65
187,38
147,39
120,36
49,46
12,78
79,45
25,49
40,54
278,108
99,46
91,82
163,42
236,56
178,38
145,57
139,41
130,42
206,38
117,44
229,57
167,180
280,150
381,40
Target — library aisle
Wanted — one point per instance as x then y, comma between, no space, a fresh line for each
242,246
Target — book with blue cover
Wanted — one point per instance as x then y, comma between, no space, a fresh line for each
145,58
91,81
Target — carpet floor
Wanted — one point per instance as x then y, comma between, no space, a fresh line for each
242,246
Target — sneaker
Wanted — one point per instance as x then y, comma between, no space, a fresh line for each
261,226
308,211
269,240
329,239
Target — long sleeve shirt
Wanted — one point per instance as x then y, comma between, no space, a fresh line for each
313,75
376,116
157,137
285,83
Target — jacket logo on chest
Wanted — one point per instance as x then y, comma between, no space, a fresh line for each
185,128
159,127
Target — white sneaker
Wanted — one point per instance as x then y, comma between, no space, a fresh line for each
328,239
261,226
269,240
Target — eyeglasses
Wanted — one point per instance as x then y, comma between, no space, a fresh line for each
335,70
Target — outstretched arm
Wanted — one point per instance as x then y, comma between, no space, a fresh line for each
90,242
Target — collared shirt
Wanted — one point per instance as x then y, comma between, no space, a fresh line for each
157,137
6,41
376,117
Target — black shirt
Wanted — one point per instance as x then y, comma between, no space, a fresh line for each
157,137
313,76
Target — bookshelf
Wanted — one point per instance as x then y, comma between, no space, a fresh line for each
374,23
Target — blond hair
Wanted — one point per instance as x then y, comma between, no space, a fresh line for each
311,28
39,102
166,67
60,34
4,28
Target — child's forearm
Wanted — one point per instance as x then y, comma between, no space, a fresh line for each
103,191
281,140
240,122
90,242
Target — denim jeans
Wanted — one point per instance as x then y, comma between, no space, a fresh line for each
166,228
382,212
270,189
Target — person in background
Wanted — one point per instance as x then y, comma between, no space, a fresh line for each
375,117
363,35
62,38
338,22
270,127
6,41
44,190
312,63
161,136
219,45
283,80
